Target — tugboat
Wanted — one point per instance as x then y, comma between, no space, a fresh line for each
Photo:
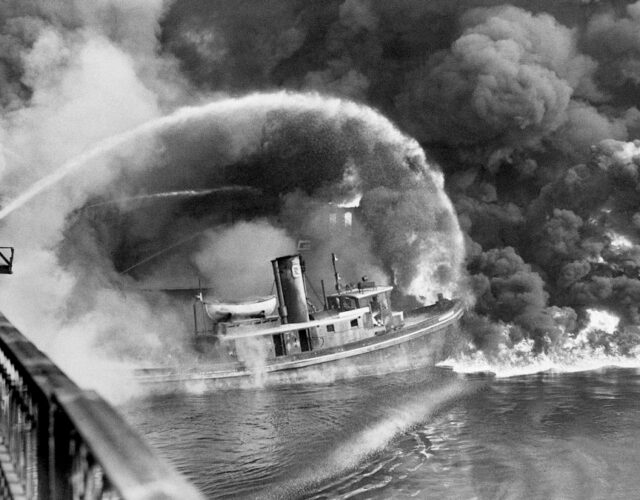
356,334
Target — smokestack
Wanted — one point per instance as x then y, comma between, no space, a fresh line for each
290,287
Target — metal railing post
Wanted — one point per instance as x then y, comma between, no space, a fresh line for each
58,441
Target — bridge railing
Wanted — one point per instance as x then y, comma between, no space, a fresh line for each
58,441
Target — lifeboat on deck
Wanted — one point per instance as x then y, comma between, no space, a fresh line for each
252,308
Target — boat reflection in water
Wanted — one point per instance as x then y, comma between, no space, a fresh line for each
356,334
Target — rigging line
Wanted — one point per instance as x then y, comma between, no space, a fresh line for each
153,256
318,297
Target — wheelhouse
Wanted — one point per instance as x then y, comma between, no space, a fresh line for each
376,298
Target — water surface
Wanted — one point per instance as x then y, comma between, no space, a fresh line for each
424,434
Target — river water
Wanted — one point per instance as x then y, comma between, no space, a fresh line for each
423,434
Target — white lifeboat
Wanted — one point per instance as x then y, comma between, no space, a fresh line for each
251,308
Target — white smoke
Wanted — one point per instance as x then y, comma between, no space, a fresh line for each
236,261
85,86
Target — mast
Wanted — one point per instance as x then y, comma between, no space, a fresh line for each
334,259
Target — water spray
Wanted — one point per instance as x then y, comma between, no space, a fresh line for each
258,103
184,193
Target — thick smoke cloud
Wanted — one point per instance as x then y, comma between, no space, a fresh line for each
514,72
530,110
238,258
615,42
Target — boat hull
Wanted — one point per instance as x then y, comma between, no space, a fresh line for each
420,344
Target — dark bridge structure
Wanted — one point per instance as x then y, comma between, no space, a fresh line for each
6,260
58,441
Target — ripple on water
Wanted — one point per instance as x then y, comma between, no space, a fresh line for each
538,436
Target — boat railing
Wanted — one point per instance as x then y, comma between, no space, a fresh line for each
294,327
58,441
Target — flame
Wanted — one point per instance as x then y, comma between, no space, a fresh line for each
577,353
619,241
352,203
602,320
627,152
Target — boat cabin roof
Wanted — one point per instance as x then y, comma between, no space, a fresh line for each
363,293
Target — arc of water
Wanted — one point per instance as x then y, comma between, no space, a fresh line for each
181,193
257,102
252,110
77,162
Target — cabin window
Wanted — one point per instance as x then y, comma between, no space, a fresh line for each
279,344
333,302
333,218
331,328
305,340
354,322
348,303
348,219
